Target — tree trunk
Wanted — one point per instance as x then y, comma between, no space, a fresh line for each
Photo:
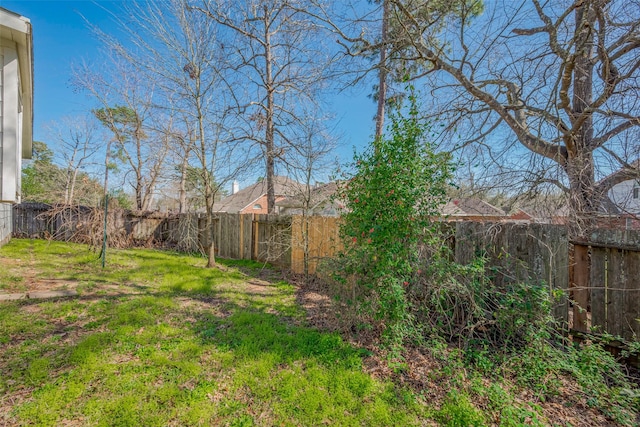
67,186
211,249
382,71
580,168
72,188
269,129
582,200
208,199
139,203
182,208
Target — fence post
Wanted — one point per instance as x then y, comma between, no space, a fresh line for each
580,287
254,243
104,235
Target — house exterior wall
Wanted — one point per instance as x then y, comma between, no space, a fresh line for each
16,111
262,201
1,116
10,147
622,222
622,195
11,126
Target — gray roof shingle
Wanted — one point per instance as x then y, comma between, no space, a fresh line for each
472,207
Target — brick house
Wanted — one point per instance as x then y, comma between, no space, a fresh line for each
253,199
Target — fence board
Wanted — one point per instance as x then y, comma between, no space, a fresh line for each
622,276
518,252
616,284
322,241
632,288
247,237
515,252
598,286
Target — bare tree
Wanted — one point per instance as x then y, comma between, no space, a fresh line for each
373,30
77,145
178,49
550,87
275,49
382,70
125,100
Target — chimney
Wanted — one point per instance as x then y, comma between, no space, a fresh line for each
235,187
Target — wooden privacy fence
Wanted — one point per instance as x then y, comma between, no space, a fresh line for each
605,287
85,224
30,220
606,284
516,252
287,241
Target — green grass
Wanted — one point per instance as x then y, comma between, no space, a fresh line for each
157,339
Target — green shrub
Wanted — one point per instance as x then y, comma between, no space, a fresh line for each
397,186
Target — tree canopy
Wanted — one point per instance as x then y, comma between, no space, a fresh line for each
547,91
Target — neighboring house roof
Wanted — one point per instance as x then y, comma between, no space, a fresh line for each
318,195
470,207
247,196
621,199
17,29
520,214
540,210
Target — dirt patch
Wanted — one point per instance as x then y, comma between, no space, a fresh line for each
312,295
202,305
258,287
30,272
52,284
8,401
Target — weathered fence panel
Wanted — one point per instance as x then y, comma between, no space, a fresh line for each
519,252
84,224
29,220
273,239
605,271
579,271
606,285
615,292
246,238
313,239
228,236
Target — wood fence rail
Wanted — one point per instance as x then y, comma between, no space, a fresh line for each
605,284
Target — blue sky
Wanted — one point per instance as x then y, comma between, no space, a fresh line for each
61,38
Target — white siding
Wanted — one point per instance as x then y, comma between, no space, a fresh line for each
1,110
11,149
5,208
622,195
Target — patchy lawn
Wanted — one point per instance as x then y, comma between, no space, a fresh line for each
157,339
